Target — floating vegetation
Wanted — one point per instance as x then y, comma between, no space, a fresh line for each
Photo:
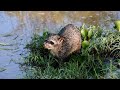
5,35
2,69
117,25
6,49
4,44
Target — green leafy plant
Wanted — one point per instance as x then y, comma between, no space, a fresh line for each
97,59
117,25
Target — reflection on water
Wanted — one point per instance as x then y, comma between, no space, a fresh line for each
16,28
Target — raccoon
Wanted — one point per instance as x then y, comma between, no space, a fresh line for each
66,42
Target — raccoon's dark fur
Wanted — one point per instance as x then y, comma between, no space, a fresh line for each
67,41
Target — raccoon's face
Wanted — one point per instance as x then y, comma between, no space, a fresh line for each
53,42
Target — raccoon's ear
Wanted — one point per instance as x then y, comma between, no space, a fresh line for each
61,39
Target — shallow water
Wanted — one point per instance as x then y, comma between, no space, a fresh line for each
17,27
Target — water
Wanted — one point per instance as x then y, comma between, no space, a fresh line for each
17,27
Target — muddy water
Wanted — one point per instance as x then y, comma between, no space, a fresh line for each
16,28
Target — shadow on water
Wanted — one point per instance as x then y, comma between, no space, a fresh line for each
17,27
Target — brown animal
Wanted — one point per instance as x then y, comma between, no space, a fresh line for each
67,41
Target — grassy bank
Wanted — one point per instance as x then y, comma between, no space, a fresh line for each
100,57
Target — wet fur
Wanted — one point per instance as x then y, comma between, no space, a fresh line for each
71,42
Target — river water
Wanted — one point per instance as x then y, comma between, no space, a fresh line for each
17,28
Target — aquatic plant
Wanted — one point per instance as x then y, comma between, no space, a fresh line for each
87,34
2,69
117,25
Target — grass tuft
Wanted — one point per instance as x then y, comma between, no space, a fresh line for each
101,57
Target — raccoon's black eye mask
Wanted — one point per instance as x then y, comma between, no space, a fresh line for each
50,42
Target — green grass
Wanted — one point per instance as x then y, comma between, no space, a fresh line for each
101,57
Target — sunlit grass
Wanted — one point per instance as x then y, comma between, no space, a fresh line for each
94,62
